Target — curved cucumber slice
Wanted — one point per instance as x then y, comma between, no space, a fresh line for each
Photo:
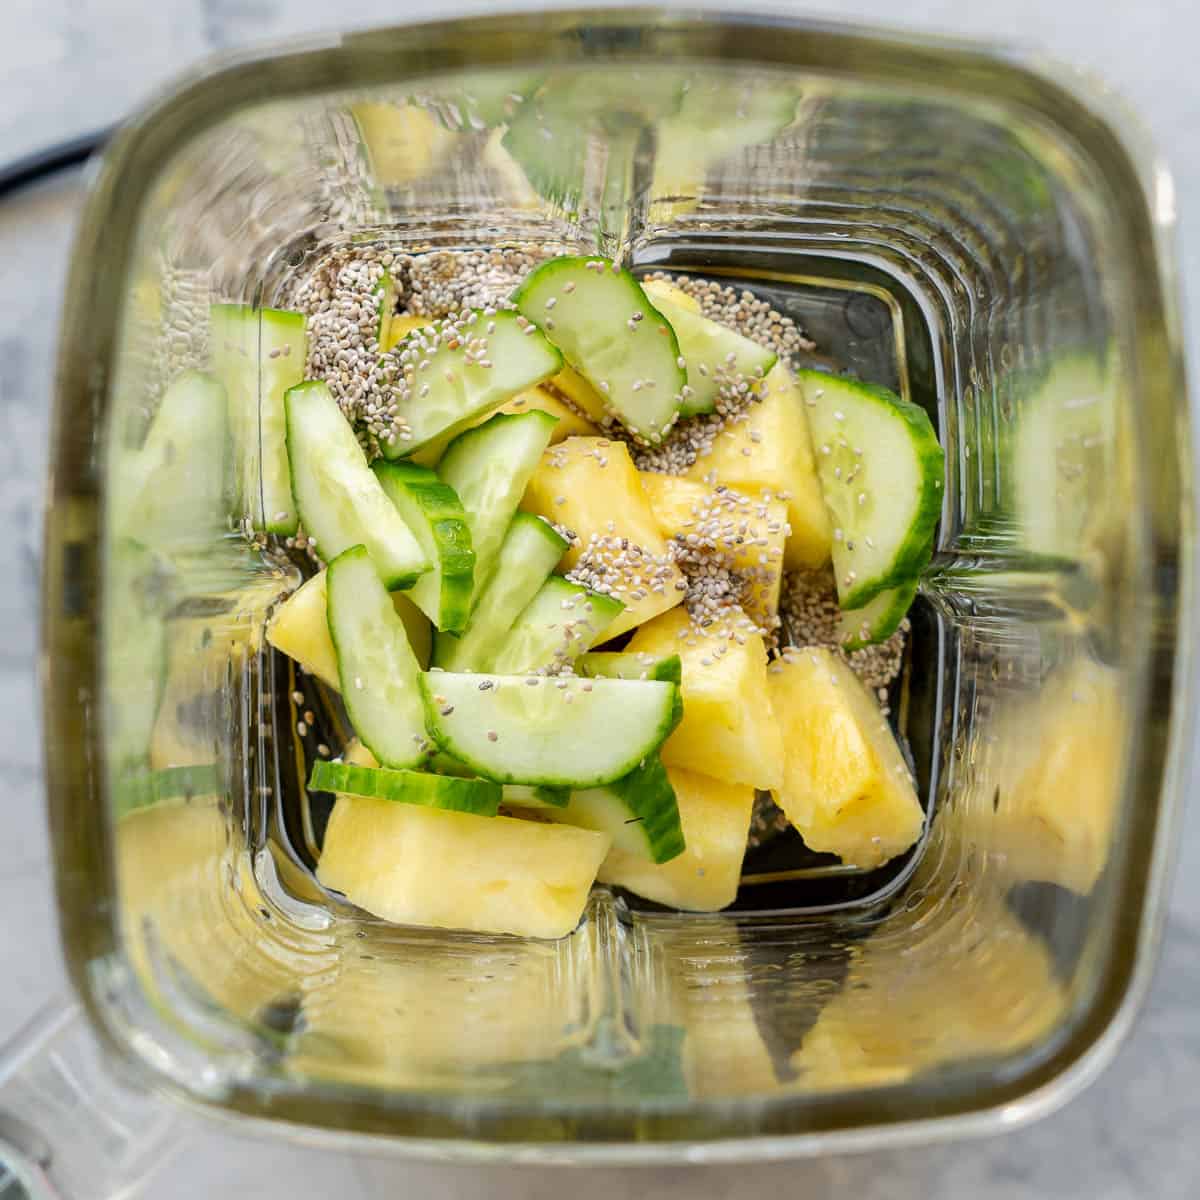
170,493
706,347
489,467
609,331
878,619
435,515
562,621
478,796
639,812
376,665
144,789
258,354
576,733
453,373
341,502
610,664
530,551
880,468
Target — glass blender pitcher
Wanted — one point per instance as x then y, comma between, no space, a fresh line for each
957,226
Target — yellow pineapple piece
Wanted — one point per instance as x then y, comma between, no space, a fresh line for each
728,730
660,289
300,629
591,486
422,866
403,142
949,981
846,786
571,422
1050,816
771,449
716,821
400,326
581,393
748,534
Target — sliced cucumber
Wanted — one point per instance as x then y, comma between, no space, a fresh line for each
878,619
456,370
489,467
170,493
434,513
609,664
145,789
609,331
562,621
707,348
258,354
377,668
639,812
520,795
341,503
530,551
478,796
880,468
576,733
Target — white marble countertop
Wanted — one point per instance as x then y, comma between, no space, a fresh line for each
71,65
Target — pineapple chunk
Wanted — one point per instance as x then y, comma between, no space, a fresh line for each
728,730
1051,815
571,423
591,486
400,326
300,629
716,821
660,289
846,786
581,394
403,143
772,449
749,534
943,983
422,866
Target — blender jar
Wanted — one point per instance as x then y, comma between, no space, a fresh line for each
957,226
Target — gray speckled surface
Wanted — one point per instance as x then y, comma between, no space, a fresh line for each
67,65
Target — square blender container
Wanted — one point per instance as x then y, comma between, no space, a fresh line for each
978,232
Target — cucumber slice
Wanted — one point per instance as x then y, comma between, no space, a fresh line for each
706,347
520,795
576,733
880,468
145,789
340,501
562,621
376,666
639,812
878,619
171,493
478,796
456,370
530,551
605,325
489,467
258,354
435,515
609,664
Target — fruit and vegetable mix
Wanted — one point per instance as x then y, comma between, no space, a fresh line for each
608,585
